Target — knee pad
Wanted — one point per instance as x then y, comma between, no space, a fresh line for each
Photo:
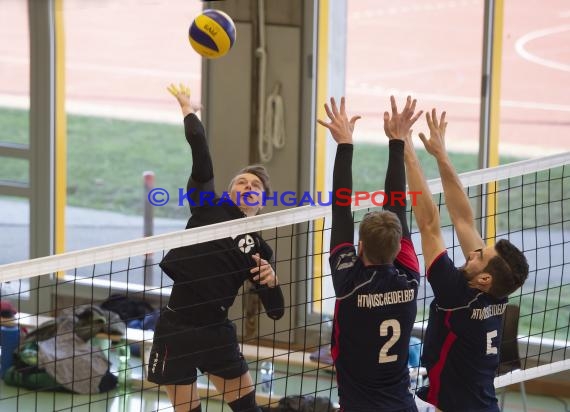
245,404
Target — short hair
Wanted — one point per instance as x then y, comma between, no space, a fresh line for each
509,269
381,234
260,171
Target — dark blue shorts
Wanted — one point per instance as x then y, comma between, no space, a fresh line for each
179,349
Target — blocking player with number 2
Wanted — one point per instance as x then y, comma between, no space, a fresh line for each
376,288
462,341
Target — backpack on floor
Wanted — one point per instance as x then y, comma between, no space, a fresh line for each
306,403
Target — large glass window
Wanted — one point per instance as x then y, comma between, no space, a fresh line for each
535,103
434,52
122,122
14,130
430,51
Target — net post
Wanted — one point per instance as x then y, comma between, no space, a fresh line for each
490,112
148,227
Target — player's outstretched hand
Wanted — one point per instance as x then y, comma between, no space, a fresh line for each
340,127
435,145
182,95
398,125
265,273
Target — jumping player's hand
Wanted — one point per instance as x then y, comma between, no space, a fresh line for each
265,273
340,127
435,145
398,126
182,94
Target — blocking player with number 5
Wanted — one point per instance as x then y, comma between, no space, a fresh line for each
464,329
376,288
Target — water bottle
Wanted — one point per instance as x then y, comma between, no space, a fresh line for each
124,372
9,341
266,371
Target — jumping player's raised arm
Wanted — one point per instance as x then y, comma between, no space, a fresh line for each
202,177
342,231
425,210
455,198
395,184
397,126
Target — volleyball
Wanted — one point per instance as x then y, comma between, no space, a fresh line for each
212,33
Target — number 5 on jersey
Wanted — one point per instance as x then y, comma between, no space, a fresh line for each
385,327
491,350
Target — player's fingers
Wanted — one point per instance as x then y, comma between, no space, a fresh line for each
423,138
328,126
334,107
413,106
428,120
329,112
264,279
354,119
386,123
342,106
416,117
407,105
261,275
442,120
394,107
434,117
172,89
259,260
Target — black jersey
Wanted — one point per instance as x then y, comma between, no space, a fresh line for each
375,308
461,342
207,276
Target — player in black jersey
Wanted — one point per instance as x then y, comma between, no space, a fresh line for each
194,331
464,330
376,287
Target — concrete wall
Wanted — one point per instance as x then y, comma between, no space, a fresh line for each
230,98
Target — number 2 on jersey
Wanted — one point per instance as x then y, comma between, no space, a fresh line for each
393,324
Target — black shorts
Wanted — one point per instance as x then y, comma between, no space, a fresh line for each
178,349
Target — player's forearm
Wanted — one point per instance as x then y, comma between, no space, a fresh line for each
186,109
456,199
202,168
395,183
342,224
272,300
424,208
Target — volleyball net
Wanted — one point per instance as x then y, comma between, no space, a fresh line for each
110,294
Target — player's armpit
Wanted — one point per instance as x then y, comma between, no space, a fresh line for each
432,246
407,256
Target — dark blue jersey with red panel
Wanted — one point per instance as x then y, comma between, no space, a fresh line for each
374,314
461,342
376,305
